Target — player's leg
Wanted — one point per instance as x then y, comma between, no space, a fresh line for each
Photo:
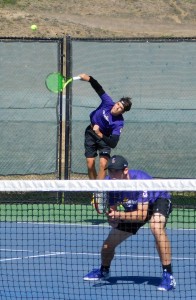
157,225
90,162
104,155
103,160
90,153
114,238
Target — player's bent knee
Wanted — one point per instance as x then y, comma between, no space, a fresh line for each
90,163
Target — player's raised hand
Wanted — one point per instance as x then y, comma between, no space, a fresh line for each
84,77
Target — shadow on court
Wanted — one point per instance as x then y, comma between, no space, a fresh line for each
96,222
115,280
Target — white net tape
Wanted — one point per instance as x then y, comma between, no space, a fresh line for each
97,185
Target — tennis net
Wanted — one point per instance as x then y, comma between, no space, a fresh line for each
51,237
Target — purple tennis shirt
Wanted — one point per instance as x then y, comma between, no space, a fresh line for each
130,200
102,116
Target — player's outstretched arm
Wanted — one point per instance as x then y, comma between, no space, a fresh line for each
94,83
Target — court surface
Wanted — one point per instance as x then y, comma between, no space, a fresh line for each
48,261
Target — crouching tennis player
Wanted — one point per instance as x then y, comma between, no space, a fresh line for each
139,208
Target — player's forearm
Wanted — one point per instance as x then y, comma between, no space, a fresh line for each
94,83
111,141
134,216
96,86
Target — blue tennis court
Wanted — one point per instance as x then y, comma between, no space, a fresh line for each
48,261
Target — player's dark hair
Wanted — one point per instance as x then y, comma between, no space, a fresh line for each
126,102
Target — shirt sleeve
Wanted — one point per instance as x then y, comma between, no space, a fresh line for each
143,197
96,86
118,129
111,140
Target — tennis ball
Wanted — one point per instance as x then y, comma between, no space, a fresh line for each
33,27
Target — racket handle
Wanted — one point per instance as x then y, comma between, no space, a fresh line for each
76,78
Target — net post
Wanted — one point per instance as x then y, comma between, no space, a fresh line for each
60,95
68,110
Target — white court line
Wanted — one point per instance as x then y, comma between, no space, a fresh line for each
90,254
15,250
32,256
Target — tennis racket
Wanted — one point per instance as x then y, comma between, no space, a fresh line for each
56,82
101,202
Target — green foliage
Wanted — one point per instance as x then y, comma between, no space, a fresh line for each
8,2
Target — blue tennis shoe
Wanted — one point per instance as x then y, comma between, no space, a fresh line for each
168,282
97,274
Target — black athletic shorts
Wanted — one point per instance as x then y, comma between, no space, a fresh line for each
94,144
162,206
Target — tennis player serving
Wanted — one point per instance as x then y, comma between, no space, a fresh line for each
104,131
139,208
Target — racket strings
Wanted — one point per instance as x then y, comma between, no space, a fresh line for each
55,82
